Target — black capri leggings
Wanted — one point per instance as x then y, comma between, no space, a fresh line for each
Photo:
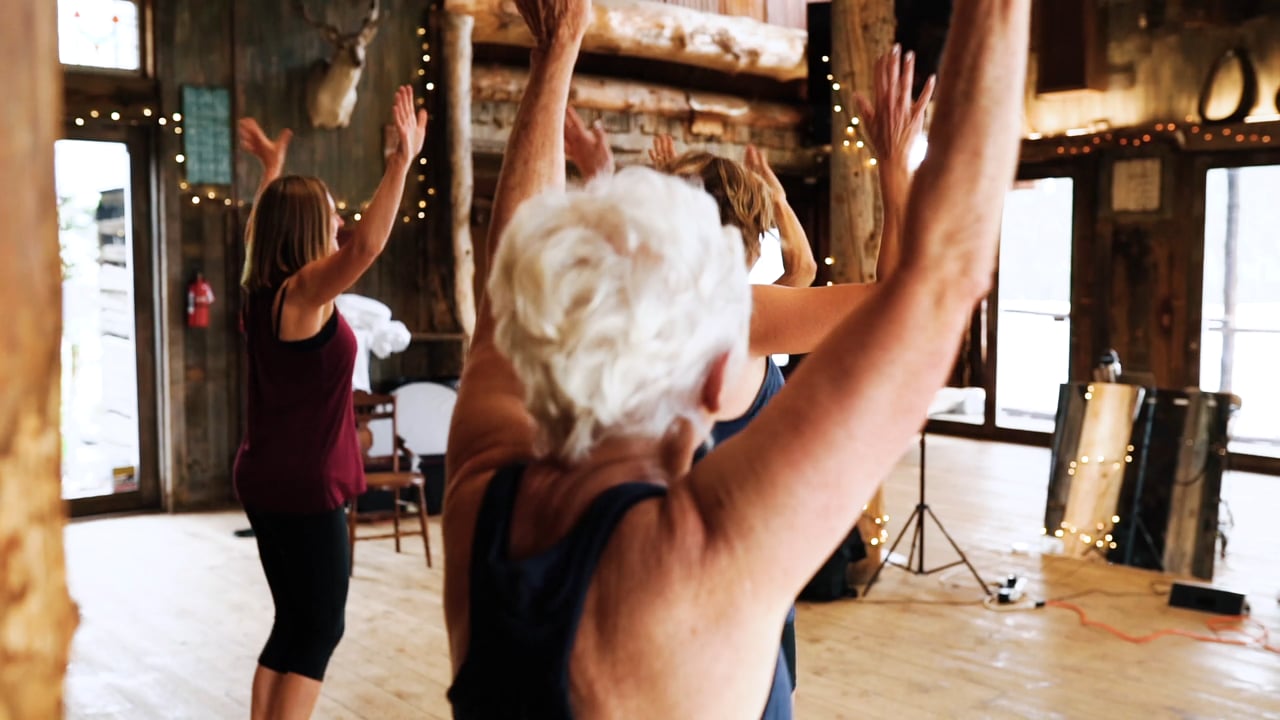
307,560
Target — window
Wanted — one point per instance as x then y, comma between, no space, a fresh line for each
1240,337
100,34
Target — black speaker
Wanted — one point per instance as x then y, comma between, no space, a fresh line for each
1179,440
818,90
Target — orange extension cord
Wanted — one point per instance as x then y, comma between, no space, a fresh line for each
1232,624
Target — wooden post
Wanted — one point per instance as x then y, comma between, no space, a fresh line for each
37,617
862,30
457,60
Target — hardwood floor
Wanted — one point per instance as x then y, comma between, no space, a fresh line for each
174,610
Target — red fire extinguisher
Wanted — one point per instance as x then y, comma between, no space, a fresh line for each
199,298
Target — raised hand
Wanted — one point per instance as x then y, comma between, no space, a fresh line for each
663,152
893,123
587,148
271,153
553,21
411,129
756,162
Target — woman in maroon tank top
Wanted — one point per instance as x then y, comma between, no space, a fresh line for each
300,462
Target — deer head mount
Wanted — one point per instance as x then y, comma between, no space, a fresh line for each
331,90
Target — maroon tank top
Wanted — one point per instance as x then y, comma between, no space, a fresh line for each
300,451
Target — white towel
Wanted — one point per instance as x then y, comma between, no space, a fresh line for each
375,332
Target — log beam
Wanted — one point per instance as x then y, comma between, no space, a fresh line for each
457,59
658,31
37,617
502,84
633,112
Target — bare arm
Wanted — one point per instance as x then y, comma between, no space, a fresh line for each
587,148
894,124
323,280
798,266
853,405
491,427
270,153
796,321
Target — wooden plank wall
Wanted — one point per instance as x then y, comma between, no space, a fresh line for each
1154,74
263,52
1137,276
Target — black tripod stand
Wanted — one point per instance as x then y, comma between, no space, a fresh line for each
917,540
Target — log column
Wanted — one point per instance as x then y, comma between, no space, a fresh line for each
37,617
861,31
457,59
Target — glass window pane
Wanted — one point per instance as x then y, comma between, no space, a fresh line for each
1034,325
99,33
1240,337
100,442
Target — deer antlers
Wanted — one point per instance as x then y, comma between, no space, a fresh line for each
368,26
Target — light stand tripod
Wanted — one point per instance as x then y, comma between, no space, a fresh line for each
917,540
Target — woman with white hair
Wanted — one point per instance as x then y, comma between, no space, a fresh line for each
750,197
590,571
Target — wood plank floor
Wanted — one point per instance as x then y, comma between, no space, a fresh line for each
174,610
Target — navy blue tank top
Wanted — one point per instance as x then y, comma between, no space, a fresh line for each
725,429
525,613
772,385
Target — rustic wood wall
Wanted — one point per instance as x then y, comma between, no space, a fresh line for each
263,53
1137,275
1153,71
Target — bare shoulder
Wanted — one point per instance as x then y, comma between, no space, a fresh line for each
665,609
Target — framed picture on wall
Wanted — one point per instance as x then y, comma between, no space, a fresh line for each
1135,185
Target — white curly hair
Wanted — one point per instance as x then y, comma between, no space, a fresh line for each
613,302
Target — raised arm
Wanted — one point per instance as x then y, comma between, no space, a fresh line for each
798,265
771,511
490,426
796,321
587,148
894,123
270,153
323,280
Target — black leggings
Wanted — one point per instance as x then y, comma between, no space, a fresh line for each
307,560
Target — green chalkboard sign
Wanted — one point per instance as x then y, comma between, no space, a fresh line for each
206,119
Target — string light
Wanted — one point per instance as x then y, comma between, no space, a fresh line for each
356,217
115,115
851,141
1078,140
